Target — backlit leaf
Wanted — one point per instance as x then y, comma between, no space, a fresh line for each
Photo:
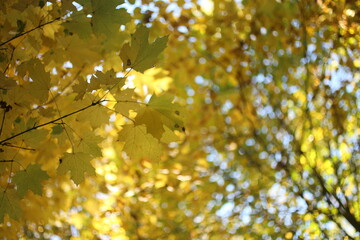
89,143
140,55
41,79
77,164
139,144
125,102
107,18
158,112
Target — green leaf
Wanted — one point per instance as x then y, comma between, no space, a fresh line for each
139,144
5,82
125,102
89,143
106,18
96,115
152,119
78,164
30,179
41,79
171,112
169,136
79,24
20,25
141,55
108,79
34,138
57,129
9,204
80,88
160,111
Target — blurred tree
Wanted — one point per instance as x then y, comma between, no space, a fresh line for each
276,85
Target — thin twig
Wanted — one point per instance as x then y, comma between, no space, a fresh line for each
2,142
11,57
29,31
2,122
62,121
5,161
19,147
66,86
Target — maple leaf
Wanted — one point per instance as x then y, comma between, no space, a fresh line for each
125,102
171,112
141,55
41,79
169,136
78,24
80,89
97,115
101,79
5,82
30,179
89,144
57,129
77,163
158,112
10,204
106,18
152,119
138,143
34,138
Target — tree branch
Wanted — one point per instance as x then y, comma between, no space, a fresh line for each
19,147
5,161
4,141
29,31
2,122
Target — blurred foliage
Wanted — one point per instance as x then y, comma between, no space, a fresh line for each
270,96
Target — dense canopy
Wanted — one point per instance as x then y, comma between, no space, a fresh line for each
179,119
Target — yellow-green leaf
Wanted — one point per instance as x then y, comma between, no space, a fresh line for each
108,79
30,179
106,18
40,78
96,115
141,55
138,143
160,111
78,164
34,138
9,204
125,102
89,143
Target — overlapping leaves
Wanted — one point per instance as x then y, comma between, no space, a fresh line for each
56,112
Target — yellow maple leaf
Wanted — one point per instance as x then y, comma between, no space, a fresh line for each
138,143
